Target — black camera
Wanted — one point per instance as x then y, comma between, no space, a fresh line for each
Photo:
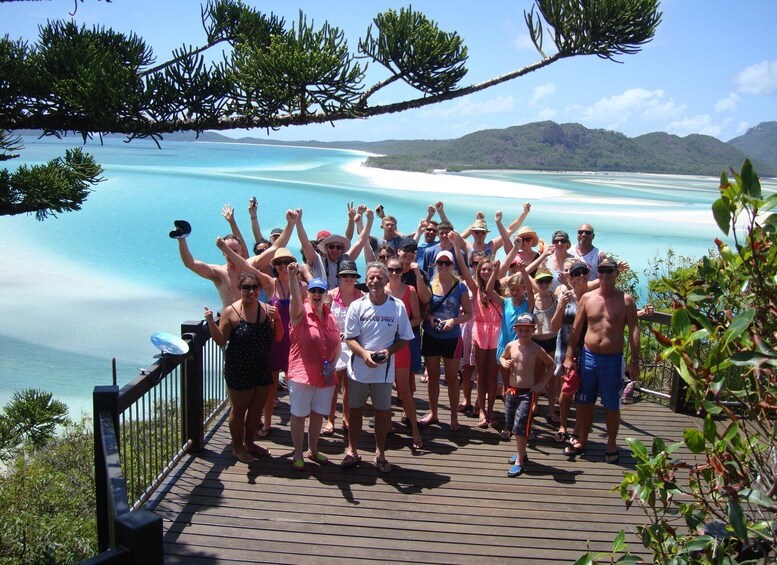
378,357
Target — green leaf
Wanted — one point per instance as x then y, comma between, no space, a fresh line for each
770,202
731,432
658,445
738,326
750,183
699,543
737,519
754,496
694,439
619,543
630,559
711,407
709,428
586,559
755,358
681,323
637,448
722,214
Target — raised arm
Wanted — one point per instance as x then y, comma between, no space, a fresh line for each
296,305
229,215
491,292
350,227
504,236
205,270
267,255
266,281
363,241
307,248
456,240
440,207
253,208
216,332
516,223
509,261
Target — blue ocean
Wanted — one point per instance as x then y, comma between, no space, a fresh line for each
92,285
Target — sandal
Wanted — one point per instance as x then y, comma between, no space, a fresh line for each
427,420
298,465
319,458
243,456
455,427
483,424
264,432
349,461
506,434
464,408
560,437
574,448
612,457
383,466
328,430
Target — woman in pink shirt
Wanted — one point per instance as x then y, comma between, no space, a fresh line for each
315,346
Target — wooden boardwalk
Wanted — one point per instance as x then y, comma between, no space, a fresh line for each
451,502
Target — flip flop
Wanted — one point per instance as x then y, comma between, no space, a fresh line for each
319,458
383,466
328,431
427,421
612,457
464,408
263,432
572,450
257,450
350,462
483,424
560,437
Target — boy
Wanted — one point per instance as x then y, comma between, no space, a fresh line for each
530,368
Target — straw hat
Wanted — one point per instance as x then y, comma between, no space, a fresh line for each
526,230
334,239
282,253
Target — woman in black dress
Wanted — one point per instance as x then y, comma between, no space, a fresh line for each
247,328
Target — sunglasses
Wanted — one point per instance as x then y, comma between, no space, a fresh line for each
430,230
394,269
334,246
283,262
444,263
249,287
606,270
578,272
557,241
317,290
544,281
526,238
382,257
585,232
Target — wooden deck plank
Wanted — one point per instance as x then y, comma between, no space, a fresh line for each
449,503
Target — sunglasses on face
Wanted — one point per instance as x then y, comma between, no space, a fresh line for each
557,241
606,270
578,272
444,263
526,238
283,262
334,246
544,281
394,269
249,287
584,232
316,290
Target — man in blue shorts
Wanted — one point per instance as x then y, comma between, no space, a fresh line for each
606,312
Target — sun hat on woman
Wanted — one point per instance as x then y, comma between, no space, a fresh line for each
527,231
282,253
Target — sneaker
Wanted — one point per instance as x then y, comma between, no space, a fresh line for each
515,471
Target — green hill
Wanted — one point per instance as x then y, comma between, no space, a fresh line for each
760,143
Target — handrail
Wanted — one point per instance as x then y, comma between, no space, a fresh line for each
141,432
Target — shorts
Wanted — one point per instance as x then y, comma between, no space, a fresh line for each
549,344
380,393
446,348
518,409
416,364
305,398
342,360
600,374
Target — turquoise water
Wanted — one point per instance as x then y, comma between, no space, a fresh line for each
94,284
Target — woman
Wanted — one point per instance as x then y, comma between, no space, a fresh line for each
556,255
386,252
340,298
525,240
315,346
407,294
247,328
468,374
545,303
449,308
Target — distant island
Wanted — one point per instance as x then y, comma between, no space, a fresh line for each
548,146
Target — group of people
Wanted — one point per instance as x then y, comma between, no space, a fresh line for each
547,318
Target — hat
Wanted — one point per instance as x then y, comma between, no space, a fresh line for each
282,253
322,234
444,254
525,320
318,283
348,268
543,274
322,243
607,261
479,225
560,234
578,264
182,229
408,244
276,231
526,230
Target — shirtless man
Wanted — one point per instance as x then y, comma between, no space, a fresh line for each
606,312
224,277
530,368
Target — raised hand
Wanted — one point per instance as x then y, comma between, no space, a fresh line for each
253,206
362,208
208,314
351,210
526,207
439,205
292,269
228,212
498,216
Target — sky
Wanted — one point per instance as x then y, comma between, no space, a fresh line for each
710,69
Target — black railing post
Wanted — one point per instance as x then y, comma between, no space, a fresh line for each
104,399
192,386
141,533
678,403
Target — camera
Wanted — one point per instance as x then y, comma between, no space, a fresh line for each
378,357
439,326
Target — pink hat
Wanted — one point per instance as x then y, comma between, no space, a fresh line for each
322,234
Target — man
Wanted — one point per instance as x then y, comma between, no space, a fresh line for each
376,327
445,244
585,250
605,312
390,234
224,277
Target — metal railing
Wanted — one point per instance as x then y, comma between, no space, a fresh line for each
141,432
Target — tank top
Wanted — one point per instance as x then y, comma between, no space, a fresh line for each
544,317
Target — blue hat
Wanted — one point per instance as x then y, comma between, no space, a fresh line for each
318,283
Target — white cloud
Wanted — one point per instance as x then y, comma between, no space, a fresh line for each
467,106
542,91
701,123
523,42
635,103
546,114
730,102
760,78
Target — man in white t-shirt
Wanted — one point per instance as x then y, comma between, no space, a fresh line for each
585,250
376,327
